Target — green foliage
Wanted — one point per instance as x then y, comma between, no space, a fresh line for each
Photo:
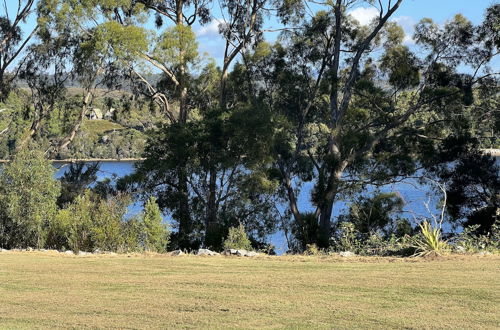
312,250
237,239
178,46
470,241
371,214
60,226
156,233
348,238
430,241
132,233
305,232
107,225
402,67
91,223
81,211
28,195
75,180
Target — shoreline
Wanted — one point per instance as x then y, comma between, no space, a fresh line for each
492,151
100,160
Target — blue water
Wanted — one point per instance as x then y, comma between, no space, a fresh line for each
415,195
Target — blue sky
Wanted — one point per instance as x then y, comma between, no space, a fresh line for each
410,12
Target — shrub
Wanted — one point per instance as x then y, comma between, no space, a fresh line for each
430,241
132,233
28,195
156,233
107,223
348,238
305,232
469,241
59,229
312,250
370,214
90,223
80,231
237,239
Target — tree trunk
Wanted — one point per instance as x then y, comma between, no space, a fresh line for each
325,216
213,237
185,223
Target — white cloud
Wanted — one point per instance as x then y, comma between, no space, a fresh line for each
364,15
408,25
210,30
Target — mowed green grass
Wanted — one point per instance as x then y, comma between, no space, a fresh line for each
43,290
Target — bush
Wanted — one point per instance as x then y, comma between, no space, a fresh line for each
80,231
107,225
132,231
59,229
28,195
312,250
305,232
237,239
469,241
156,233
348,238
91,223
430,241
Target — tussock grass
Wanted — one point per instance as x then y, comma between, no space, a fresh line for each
47,290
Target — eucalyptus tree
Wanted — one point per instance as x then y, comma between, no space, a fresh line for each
45,70
105,36
195,164
12,41
353,96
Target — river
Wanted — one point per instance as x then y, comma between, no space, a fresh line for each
414,195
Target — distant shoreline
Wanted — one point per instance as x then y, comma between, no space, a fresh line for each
101,160
493,152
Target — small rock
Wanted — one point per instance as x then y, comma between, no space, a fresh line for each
29,249
485,253
241,253
83,253
177,253
206,252
43,250
347,254
69,252
252,254
97,251
460,249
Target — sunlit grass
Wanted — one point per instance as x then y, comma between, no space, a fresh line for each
100,126
53,290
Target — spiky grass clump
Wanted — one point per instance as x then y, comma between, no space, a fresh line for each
431,242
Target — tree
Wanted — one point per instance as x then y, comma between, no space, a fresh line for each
28,196
351,124
237,239
228,142
197,171
372,214
156,233
471,179
75,180
12,42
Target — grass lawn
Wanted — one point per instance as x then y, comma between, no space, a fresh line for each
102,126
44,290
